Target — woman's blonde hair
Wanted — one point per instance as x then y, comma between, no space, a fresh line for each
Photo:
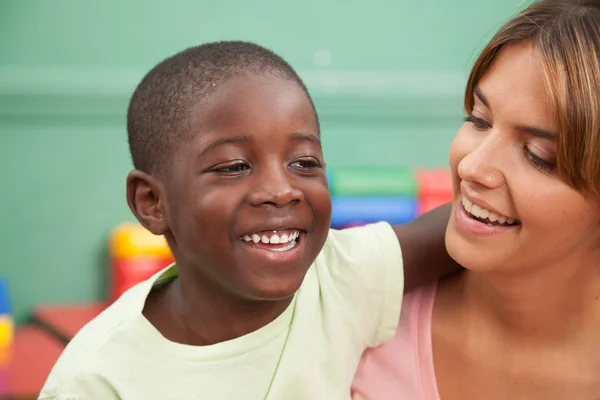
565,35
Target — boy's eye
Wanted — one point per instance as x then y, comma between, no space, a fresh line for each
306,164
232,168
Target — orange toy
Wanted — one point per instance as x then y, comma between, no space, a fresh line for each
136,254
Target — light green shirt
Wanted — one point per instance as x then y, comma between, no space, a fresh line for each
349,300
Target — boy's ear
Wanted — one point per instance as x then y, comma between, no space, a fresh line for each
145,197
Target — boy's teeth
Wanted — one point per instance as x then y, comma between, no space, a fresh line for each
482,213
279,237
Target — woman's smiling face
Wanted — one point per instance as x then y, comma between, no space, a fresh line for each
511,209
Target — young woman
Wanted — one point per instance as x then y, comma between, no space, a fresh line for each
523,320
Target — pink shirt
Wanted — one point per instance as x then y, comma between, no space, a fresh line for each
402,368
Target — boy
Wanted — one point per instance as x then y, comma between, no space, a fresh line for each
266,301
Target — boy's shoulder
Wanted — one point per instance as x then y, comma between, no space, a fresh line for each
360,240
96,333
117,316
359,272
83,355
362,229
108,322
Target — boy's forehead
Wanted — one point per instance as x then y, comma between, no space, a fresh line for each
251,103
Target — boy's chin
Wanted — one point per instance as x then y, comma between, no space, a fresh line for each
278,291
270,276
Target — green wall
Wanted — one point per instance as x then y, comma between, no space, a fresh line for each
387,77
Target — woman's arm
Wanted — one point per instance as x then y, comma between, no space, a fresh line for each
423,246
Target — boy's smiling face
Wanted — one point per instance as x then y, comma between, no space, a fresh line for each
251,170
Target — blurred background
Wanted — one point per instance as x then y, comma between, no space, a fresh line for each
387,78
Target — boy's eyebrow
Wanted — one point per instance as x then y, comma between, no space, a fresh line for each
222,141
306,137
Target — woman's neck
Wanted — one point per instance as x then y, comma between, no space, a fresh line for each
553,303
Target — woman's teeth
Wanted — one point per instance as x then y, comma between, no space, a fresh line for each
486,216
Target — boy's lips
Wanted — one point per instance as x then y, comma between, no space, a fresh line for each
275,239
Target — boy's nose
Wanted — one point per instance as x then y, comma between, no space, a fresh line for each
275,189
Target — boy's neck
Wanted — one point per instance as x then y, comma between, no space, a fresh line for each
188,313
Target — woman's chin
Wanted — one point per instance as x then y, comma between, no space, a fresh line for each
473,257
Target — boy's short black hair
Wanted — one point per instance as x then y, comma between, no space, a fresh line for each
160,108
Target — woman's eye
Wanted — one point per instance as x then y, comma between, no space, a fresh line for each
539,163
478,123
